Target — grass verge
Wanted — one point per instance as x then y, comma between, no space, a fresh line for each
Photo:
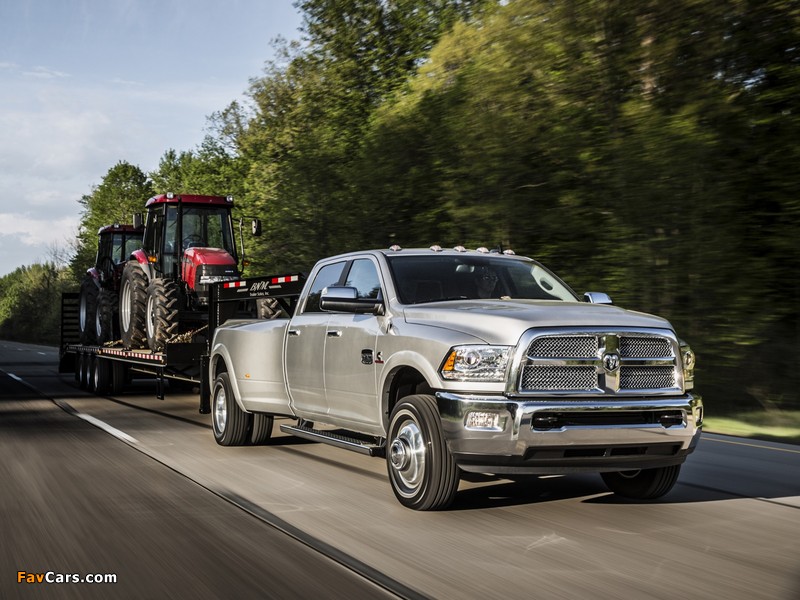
773,425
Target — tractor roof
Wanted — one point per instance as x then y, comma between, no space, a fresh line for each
117,228
190,199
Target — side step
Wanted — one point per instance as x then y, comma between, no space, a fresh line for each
335,439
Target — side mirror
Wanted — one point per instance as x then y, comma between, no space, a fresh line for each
597,298
137,220
345,299
256,224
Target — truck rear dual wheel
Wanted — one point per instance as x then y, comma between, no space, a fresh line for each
644,484
422,471
232,426
132,306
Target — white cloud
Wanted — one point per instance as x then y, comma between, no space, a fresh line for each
32,231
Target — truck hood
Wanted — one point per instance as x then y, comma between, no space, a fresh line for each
504,321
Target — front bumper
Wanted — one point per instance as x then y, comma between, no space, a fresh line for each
549,436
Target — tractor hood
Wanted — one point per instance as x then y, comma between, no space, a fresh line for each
203,265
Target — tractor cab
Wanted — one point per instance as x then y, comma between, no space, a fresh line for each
188,244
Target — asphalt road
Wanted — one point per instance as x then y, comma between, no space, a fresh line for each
152,499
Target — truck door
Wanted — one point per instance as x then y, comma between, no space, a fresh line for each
351,352
305,346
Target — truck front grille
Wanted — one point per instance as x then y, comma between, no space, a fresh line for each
599,362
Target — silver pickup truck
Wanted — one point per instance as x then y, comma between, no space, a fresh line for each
445,361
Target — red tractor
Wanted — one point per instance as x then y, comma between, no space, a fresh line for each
97,314
188,244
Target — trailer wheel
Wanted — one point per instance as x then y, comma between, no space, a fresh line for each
106,322
87,311
91,359
644,484
262,429
132,306
161,313
82,372
422,471
232,426
102,375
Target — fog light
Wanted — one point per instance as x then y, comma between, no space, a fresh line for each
482,420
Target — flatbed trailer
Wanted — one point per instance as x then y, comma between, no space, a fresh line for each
108,369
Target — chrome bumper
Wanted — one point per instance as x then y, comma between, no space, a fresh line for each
558,436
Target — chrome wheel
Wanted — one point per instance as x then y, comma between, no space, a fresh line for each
407,455
220,409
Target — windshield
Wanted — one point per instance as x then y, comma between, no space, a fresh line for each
434,278
202,227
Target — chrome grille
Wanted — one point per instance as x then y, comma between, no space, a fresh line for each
564,347
644,347
643,378
552,378
598,361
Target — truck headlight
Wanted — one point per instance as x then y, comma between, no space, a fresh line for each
688,360
476,363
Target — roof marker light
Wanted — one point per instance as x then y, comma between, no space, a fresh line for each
483,250
395,248
509,252
436,248
170,195
460,249
229,198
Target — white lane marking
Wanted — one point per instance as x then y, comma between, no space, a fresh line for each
107,428
15,377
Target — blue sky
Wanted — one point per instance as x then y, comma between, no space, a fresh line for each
87,83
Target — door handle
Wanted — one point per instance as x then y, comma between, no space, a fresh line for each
294,332
334,333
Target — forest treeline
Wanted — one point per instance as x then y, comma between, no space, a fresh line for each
645,149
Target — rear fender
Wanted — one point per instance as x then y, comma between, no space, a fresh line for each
140,256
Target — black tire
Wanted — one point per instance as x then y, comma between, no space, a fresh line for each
119,377
102,376
83,372
107,322
645,484
232,426
132,306
161,313
89,371
422,471
262,429
87,311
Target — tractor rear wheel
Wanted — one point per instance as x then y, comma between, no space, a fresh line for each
132,306
162,313
106,322
87,311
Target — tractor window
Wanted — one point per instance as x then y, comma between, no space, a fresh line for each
208,228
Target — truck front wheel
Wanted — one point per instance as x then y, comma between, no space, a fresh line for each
422,471
232,426
644,484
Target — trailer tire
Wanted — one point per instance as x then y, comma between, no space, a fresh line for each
87,311
91,359
262,429
82,372
161,313
423,473
102,376
645,484
119,377
232,426
132,306
107,320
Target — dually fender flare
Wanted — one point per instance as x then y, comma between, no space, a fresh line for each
219,353
401,360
